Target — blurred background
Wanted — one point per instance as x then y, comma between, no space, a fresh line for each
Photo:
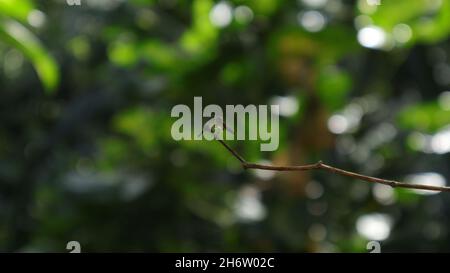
86,152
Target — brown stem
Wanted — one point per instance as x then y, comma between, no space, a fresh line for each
321,166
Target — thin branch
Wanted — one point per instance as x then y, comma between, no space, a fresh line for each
321,166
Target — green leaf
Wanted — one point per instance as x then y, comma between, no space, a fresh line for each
20,37
429,20
333,87
427,117
144,125
17,9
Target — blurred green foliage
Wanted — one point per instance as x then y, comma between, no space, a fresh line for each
86,152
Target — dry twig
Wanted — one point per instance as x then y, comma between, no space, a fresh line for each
321,166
